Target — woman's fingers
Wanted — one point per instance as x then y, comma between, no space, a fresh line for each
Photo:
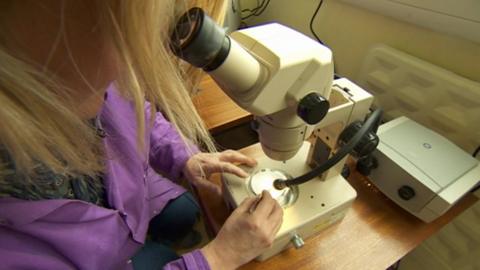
247,205
224,167
265,205
276,218
236,157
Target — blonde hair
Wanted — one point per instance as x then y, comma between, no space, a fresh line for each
37,124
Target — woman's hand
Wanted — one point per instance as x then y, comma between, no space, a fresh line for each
200,166
249,230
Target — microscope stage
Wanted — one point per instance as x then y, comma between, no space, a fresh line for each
308,208
263,180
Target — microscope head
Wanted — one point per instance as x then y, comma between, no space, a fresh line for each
279,75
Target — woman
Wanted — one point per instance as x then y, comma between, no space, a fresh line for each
85,159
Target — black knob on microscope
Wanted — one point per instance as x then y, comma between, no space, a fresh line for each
406,192
312,108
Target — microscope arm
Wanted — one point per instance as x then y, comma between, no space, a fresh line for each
349,103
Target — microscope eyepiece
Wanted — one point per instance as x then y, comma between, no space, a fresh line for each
198,40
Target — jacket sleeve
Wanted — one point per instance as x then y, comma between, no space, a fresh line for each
193,260
168,152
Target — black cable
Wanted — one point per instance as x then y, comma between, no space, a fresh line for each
255,8
258,10
262,9
345,150
475,153
313,19
234,10
395,266
252,11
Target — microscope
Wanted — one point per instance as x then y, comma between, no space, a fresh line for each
303,117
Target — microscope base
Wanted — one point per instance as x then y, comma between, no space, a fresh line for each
320,202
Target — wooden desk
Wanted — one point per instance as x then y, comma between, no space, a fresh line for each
374,234
217,110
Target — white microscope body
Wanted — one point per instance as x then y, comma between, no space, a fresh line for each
282,67
313,206
284,79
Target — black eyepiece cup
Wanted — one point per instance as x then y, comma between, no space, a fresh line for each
198,40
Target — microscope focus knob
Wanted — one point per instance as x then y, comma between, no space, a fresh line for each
406,192
312,108
297,241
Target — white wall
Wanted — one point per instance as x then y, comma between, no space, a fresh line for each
460,18
350,31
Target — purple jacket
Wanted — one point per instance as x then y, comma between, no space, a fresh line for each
73,234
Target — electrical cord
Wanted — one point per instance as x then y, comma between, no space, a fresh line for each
370,123
475,153
251,10
258,10
263,9
313,19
